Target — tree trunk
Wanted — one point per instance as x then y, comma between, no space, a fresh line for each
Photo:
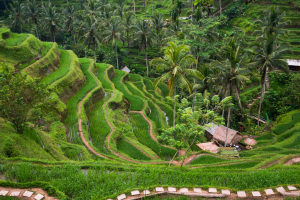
74,39
223,112
146,59
5,5
128,53
42,3
261,101
117,54
174,109
134,9
145,9
188,150
238,97
173,158
228,124
85,51
37,33
95,53
49,2
220,7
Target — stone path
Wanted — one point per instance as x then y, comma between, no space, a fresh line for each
212,193
29,193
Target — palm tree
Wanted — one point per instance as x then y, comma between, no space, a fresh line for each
112,33
69,12
161,40
16,15
175,63
272,23
157,21
32,13
144,37
268,55
91,36
120,8
128,26
93,8
51,20
145,3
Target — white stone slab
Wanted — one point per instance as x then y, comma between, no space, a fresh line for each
146,192
171,189
291,188
241,194
3,193
135,192
280,189
269,191
212,190
198,190
159,189
27,194
122,196
256,194
15,194
184,190
226,192
38,197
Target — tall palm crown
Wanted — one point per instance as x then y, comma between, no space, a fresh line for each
128,24
232,70
175,64
157,21
144,37
69,12
112,33
51,20
15,18
93,8
32,13
91,36
120,8
272,22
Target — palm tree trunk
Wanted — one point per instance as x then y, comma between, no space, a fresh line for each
145,9
174,109
117,54
36,30
85,51
261,101
173,158
5,5
238,97
220,7
128,51
188,150
95,53
228,124
134,9
49,1
146,59
42,3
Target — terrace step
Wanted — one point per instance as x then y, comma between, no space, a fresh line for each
35,193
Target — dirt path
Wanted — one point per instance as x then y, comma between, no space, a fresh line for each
88,146
35,191
292,161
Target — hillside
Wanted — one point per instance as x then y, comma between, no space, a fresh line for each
102,140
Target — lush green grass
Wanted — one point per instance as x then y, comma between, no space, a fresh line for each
102,76
141,131
206,159
72,104
47,46
281,128
136,103
134,77
64,66
99,129
16,39
23,66
130,150
236,166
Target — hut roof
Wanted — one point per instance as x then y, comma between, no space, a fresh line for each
232,137
212,129
126,69
209,146
293,62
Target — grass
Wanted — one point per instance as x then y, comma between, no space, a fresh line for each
16,39
23,66
47,46
72,117
136,103
99,129
207,160
281,128
64,66
130,150
140,129
102,76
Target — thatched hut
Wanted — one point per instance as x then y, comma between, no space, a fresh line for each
209,146
233,137
209,133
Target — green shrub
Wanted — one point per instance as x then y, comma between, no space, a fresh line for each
281,128
16,39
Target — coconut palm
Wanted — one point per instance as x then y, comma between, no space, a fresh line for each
272,23
161,40
93,8
120,8
157,21
175,63
15,18
144,37
69,12
128,27
32,13
91,35
112,33
51,20
268,55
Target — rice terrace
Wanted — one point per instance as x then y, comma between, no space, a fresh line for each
149,99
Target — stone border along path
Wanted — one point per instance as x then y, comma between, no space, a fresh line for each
29,193
211,193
